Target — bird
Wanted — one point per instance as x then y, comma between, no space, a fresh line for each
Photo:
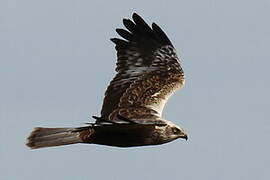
148,72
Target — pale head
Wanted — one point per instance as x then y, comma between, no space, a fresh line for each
171,132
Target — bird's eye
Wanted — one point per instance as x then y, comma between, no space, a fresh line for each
176,130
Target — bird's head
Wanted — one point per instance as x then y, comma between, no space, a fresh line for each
174,132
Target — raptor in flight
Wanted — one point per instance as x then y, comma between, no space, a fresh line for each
148,73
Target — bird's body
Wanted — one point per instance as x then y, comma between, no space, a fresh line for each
126,135
148,73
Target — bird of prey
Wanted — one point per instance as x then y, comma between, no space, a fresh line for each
148,73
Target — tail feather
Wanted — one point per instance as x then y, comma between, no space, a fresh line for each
47,137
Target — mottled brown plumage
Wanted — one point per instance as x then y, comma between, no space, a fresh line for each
148,73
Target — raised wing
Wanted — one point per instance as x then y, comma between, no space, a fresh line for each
148,72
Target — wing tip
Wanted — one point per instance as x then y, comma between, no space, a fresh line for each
138,28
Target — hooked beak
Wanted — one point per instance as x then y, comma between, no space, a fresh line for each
185,137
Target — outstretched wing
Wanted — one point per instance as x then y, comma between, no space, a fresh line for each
148,72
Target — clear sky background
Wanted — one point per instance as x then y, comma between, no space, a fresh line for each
56,61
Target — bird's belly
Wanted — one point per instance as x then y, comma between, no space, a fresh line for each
124,137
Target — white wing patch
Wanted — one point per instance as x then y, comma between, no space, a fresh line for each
159,105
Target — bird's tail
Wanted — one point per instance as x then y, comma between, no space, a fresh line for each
47,137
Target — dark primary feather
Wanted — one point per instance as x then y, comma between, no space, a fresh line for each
125,34
142,50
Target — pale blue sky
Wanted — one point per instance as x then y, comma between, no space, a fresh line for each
56,61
